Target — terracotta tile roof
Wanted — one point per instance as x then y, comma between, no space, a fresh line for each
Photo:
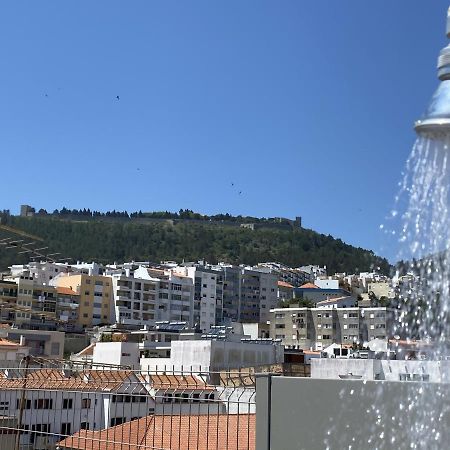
87,380
284,284
89,350
178,432
9,344
412,343
164,381
65,291
309,286
333,300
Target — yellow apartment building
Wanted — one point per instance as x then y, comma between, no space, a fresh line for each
95,297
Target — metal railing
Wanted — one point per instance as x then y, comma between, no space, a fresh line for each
61,405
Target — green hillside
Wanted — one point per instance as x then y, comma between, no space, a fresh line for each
105,241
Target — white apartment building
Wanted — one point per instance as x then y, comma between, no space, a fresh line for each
43,272
318,328
136,301
60,402
175,293
207,295
146,296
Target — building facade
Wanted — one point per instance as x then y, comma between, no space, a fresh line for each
317,328
95,297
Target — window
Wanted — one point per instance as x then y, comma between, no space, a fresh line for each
37,429
168,398
353,315
54,350
121,399
84,426
66,428
87,293
43,403
4,406
26,404
280,325
117,421
97,305
353,325
88,281
327,336
85,404
67,403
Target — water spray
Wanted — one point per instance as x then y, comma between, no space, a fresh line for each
437,119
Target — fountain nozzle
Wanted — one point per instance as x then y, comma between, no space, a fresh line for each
437,119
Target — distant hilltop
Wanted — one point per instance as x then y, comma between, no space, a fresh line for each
182,216
119,236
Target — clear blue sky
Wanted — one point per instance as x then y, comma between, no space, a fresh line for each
306,106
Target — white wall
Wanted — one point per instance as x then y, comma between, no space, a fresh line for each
217,355
390,370
327,284
120,353
331,368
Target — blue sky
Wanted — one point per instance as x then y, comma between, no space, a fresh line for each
307,107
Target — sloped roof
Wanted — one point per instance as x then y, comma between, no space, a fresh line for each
177,432
309,286
87,351
53,379
284,284
334,300
65,291
165,381
9,344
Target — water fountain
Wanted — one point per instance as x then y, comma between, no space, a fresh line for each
437,120
416,415
400,404
425,233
